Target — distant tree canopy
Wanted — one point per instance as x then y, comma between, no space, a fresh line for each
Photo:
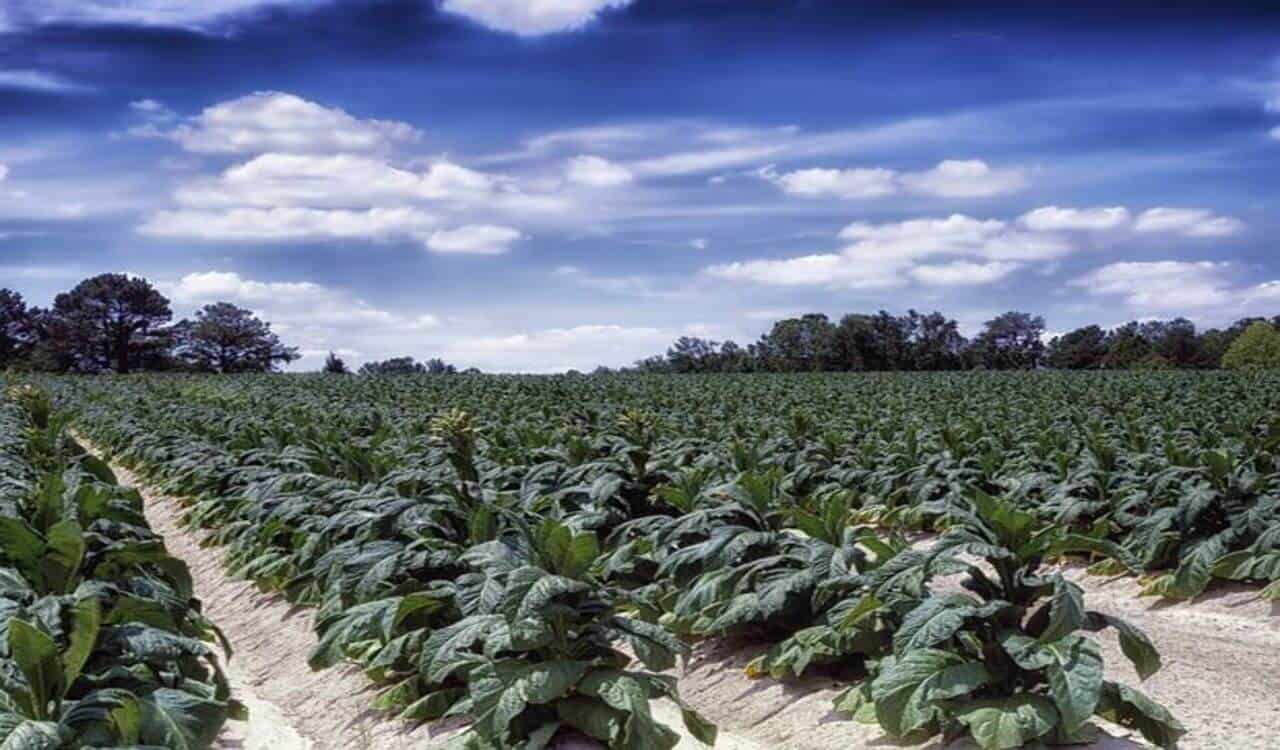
1011,341
225,338
407,366
118,322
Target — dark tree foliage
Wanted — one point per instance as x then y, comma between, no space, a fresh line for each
394,366
1011,341
334,365
1081,349
110,321
17,328
226,338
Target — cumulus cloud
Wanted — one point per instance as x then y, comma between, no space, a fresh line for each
1160,286
596,172
276,121
949,179
473,239
1055,219
285,189
340,180
1189,222
962,273
893,254
532,17
557,349
965,179
840,183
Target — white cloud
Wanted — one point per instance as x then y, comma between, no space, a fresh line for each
1055,219
893,254
340,180
840,183
699,243
225,286
557,349
38,80
949,179
1274,132
532,17
965,179
1189,222
275,121
143,12
289,224
597,172
4,172
473,239
962,273
1161,286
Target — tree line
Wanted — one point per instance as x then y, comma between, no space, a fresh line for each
115,322
1011,341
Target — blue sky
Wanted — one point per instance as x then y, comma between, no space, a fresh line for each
534,185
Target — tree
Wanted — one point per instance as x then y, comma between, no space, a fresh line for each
1258,346
1127,348
804,344
1011,341
692,354
1082,349
334,365
226,338
17,328
110,321
437,366
394,366
935,342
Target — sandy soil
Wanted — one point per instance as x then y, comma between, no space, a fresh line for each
1221,675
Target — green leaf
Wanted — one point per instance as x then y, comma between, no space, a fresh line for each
19,733
86,621
591,717
1075,679
65,548
179,720
1008,723
1066,610
906,689
932,622
1133,642
37,657
1130,708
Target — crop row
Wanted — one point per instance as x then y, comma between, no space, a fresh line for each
101,641
481,547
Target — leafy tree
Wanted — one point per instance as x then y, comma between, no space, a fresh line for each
804,344
1011,341
437,366
935,342
334,365
692,354
1258,346
394,366
17,328
110,321
226,338
1082,349
1126,347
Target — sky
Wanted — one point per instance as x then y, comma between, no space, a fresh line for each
537,185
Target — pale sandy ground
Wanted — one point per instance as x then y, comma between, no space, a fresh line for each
1221,675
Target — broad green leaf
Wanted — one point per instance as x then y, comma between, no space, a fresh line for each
1130,708
1008,723
37,658
86,621
1066,610
1075,678
179,720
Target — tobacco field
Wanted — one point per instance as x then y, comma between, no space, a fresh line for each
534,555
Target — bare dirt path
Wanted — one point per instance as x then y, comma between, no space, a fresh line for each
1221,675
